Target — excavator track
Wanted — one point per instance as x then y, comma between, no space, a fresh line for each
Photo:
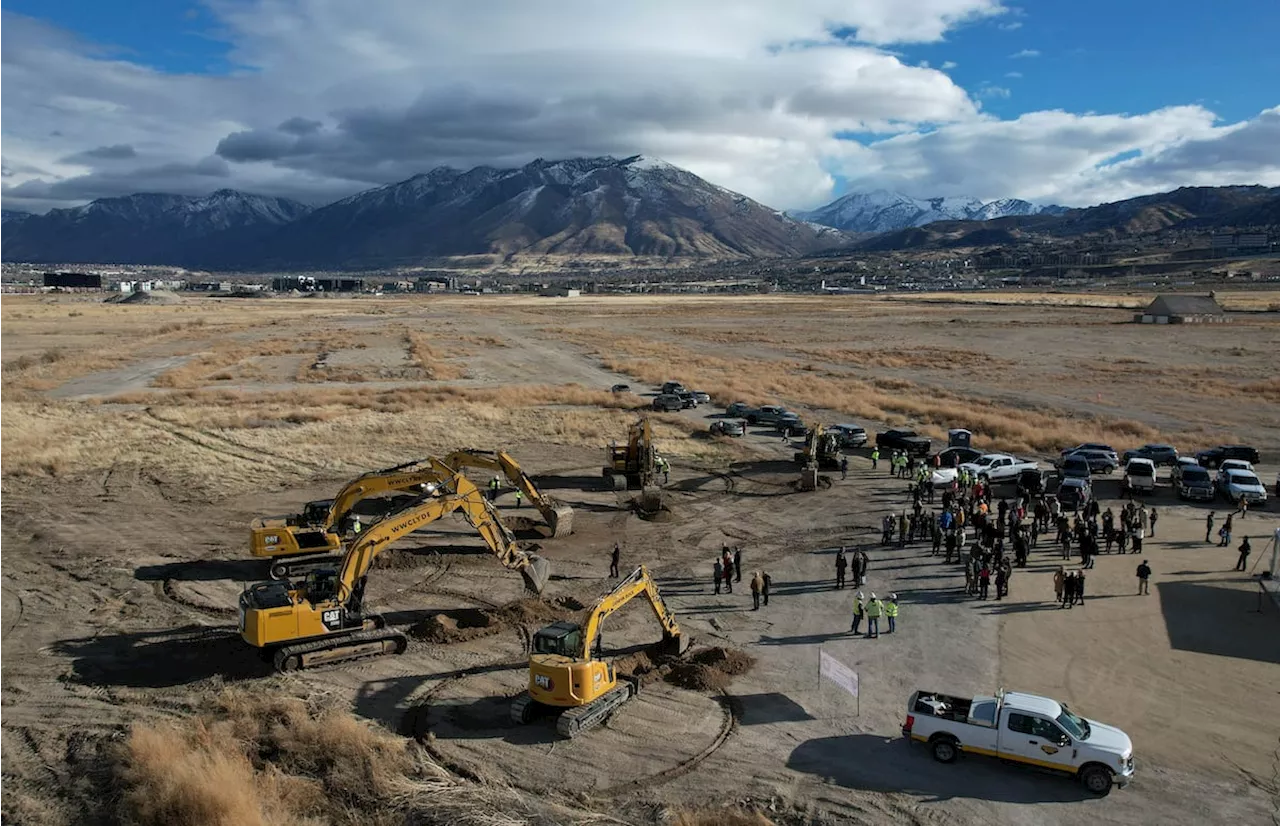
373,642
574,721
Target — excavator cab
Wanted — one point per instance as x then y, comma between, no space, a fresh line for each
315,513
563,639
321,585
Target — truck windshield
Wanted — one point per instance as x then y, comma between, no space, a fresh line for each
1077,727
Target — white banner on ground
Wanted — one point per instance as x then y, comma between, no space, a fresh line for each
838,673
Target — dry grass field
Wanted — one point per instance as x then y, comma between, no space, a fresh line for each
139,440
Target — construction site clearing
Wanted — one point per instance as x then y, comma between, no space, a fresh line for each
138,484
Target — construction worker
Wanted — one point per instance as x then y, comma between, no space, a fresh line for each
875,457
859,610
355,524
519,497
756,585
891,611
665,467
614,558
493,489
875,608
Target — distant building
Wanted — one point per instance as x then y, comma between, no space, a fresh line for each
73,280
560,292
1182,309
1240,241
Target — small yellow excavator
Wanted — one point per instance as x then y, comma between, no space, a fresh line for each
559,517
322,619
821,452
565,678
635,465
293,543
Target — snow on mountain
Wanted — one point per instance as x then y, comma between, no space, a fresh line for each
884,211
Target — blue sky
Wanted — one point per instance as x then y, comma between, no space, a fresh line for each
1071,102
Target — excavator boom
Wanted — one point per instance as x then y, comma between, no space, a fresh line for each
639,582
559,517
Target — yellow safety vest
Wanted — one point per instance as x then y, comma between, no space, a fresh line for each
891,609
875,609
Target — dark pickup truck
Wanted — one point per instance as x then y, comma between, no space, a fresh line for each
908,440
1214,456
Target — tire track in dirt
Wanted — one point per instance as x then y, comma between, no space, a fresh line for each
224,446
731,709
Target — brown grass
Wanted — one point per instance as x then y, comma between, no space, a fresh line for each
432,363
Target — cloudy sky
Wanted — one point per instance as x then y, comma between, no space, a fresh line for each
792,103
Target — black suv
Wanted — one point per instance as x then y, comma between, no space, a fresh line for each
1214,456
908,440
1160,454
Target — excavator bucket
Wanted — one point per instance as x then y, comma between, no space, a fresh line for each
561,520
651,499
536,573
675,645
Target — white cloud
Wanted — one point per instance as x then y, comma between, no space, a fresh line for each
1010,26
1014,75
1025,53
334,97
949,64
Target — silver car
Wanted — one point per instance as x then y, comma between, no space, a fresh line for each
728,427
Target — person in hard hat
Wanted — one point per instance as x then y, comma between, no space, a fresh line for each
859,610
494,483
875,609
891,611
519,497
355,524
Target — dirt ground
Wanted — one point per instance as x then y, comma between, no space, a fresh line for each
140,441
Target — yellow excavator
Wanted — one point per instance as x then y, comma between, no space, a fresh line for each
293,543
565,678
821,452
559,517
635,465
322,619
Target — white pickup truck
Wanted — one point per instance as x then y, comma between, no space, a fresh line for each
999,467
1023,728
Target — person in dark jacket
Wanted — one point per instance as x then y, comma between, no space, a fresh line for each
984,581
717,572
766,586
614,558
842,563
1244,554
737,564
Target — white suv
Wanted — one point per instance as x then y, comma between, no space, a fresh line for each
1140,476
1235,485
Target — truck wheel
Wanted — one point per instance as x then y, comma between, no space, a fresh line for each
1096,780
946,750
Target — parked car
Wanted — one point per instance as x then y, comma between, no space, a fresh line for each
672,387
849,435
686,398
1099,460
1139,476
1183,463
728,427
1022,728
999,467
1075,493
1107,449
1213,457
1194,482
1235,464
1031,481
1160,454
790,423
1074,467
900,439
737,410
620,388
957,456
765,414
668,402
700,397
1235,485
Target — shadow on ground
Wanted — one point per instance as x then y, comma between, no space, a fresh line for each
872,763
162,659
1212,618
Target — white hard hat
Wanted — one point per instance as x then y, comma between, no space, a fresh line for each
893,597
860,596
873,595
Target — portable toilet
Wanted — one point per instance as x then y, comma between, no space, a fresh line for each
959,437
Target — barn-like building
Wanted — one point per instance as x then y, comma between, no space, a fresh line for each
1182,309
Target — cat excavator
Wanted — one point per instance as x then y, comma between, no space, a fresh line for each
821,452
559,517
322,619
635,465
293,543
564,677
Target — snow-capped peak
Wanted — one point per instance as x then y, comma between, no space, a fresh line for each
883,211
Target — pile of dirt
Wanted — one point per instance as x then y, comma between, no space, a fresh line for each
152,297
707,669
460,625
463,624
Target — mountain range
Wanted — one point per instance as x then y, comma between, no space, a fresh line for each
574,207
884,211
580,206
